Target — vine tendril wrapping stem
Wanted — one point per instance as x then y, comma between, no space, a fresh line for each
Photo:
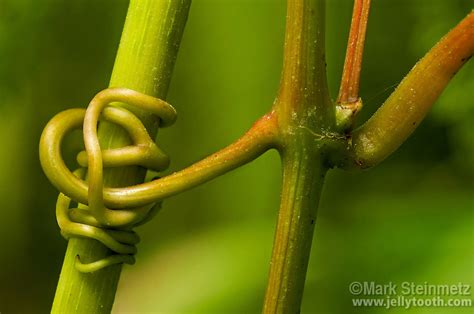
112,227
113,212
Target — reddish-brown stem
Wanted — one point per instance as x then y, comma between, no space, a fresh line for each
349,89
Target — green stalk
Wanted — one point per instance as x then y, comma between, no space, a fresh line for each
303,175
306,122
144,62
407,106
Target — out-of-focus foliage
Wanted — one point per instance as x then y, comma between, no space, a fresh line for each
409,219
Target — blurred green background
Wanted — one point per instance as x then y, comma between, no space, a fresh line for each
409,219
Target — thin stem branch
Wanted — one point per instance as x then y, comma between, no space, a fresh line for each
406,107
145,59
349,88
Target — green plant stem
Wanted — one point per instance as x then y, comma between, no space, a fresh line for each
307,133
306,118
145,59
406,107
303,175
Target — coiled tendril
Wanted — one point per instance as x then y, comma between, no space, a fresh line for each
109,222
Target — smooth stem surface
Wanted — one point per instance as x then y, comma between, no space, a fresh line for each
303,99
305,120
349,88
406,107
145,59
303,175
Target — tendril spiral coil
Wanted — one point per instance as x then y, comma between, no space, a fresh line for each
108,220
